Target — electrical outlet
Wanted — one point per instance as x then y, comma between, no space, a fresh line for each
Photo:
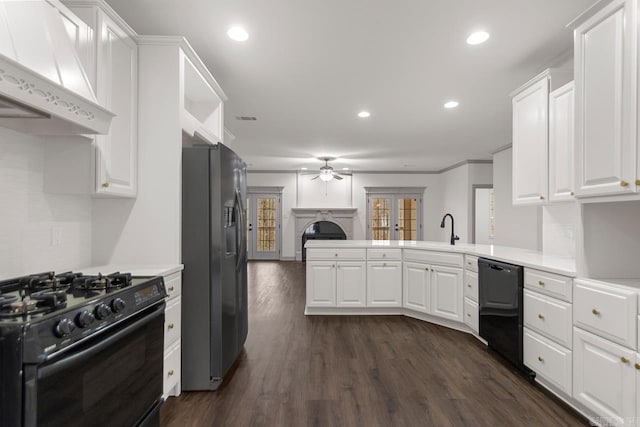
56,235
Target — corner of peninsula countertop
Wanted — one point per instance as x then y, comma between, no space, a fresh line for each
524,257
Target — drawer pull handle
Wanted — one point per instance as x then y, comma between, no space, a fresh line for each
540,358
624,359
468,285
468,314
637,365
469,263
540,282
595,312
540,316
170,288
170,326
170,372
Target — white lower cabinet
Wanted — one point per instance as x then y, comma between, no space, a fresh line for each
415,280
172,332
351,284
321,283
471,314
548,360
548,316
446,292
384,284
603,377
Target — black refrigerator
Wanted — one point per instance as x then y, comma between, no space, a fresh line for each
214,254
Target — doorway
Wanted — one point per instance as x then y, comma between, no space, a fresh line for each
483,215
264,225
394,215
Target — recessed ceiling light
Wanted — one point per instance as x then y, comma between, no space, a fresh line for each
303,169
345,169
238,34
364,114
451,104
478,37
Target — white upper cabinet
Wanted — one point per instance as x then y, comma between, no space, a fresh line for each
561,142
117,81
530,124
605,99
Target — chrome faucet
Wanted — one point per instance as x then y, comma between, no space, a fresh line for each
453,236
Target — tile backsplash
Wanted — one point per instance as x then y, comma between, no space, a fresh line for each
38,231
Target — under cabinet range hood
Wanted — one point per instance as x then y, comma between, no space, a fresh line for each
44,89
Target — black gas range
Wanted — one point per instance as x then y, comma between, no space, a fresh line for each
81,349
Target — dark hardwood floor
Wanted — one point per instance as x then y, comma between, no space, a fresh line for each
358,371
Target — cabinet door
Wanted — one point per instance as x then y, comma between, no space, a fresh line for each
530,144
351,284
415,281
446,292
117,90
384,284
604,377
321,284
561,141
605,79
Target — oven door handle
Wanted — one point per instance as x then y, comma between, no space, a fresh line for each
80,356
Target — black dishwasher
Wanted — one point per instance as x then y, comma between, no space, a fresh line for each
500,308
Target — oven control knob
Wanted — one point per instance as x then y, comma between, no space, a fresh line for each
117,305
102,311
85,318
63,328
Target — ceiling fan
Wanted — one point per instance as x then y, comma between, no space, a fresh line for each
326,171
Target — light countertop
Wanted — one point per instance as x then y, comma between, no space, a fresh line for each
134,269
524,257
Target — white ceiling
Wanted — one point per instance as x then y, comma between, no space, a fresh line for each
309,66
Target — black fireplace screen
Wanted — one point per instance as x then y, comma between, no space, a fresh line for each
321,230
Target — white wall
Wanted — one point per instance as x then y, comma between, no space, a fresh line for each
482,219
315,193
29,216
517,226
559,229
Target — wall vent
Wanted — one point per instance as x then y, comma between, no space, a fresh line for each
246,118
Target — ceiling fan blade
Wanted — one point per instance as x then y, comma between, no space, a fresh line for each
315,177
336,176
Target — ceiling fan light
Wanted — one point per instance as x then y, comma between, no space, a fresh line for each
326,177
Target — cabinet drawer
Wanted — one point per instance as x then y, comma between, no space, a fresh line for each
548,283
471,285
548,360
471,263
606,310
471,314
173,284
171,374
172,322
343,254
548,316
384,254
430,257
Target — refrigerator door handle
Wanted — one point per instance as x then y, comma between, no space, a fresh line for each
241,248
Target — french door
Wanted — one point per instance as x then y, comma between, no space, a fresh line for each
263,227
394,216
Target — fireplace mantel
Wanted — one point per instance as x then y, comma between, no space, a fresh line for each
304,217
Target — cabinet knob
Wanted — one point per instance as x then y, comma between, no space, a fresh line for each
468,285
426,268
624,359
384,255
637,365
541,197
170,326
540,316
468,262
624,183
170,372
540,282
468,314
572,194
637,181
336,255
595,312
171,288
540,358
105,185
384,264
333,266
